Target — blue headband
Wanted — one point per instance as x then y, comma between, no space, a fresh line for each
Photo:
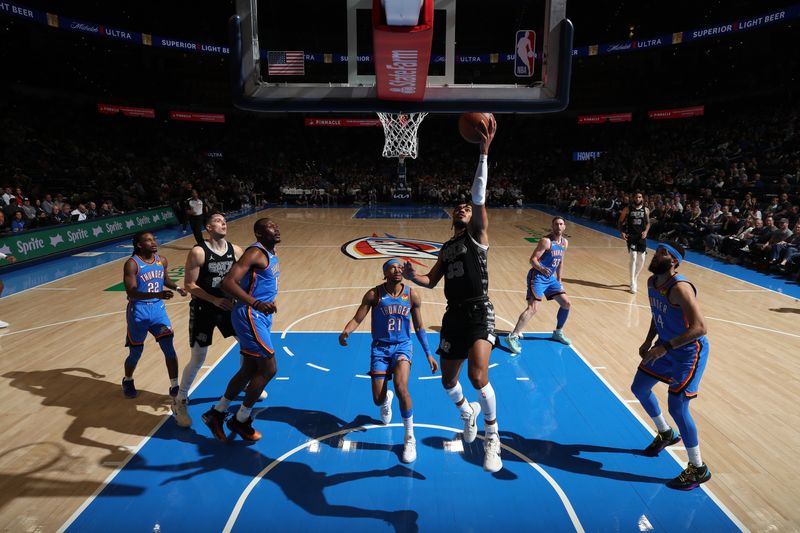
389,263
672,251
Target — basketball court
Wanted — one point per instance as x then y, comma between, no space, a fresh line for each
80,456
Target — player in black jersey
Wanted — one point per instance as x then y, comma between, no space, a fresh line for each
468,324
206,266
634,223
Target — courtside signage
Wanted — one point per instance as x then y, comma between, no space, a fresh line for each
387,247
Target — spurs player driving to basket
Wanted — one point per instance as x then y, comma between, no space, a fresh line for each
468,323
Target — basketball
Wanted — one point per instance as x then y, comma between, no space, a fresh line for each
467,124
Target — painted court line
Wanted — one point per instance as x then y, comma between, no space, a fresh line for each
312,365
134,450
237,509
288,351
362,376
523,379
429,377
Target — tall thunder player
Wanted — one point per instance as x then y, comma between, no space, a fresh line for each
678,359
544,281
394,305
206,266
634,223
468,323
145,276
253,281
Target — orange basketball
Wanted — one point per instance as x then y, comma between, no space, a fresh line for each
468,124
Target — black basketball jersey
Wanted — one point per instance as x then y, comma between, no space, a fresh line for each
466,274
637,219
214,269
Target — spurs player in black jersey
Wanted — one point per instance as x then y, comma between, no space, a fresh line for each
634,223
468,324
206,266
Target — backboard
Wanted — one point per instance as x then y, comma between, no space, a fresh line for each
313,55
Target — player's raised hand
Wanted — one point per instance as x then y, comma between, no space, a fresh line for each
408,271
487,130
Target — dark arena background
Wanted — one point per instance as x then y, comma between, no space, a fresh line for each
124,117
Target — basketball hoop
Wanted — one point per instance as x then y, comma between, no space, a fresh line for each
400,130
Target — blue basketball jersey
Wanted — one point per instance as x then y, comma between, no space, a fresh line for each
391,316
150,276
262,283
669,318
551,259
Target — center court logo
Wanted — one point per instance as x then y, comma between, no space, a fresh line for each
385,247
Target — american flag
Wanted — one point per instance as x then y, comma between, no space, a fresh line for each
286,64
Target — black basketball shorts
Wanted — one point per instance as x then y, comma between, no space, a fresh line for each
203,318
637,244
463,324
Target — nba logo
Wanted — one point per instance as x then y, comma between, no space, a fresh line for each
523,59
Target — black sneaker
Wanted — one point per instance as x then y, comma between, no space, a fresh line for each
214,419
173,391
244,429
690,478
129,389
662,440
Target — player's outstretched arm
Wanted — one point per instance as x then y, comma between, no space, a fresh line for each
419,328
536,256
252,258
428,280
367,302
479,222
168,282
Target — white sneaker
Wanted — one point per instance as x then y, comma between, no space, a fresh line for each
386,408
262,396
182,417
3,324
470,422
409,450
633,287
491,450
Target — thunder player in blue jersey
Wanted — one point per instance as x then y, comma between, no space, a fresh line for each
253,281
544,281
145,276
678,359
392,304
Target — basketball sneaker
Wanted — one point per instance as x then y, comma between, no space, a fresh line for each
409,450
661,441
386,408
491,450
559,336
513,343
470,422
262,396
214,419
690,478
3,324
173,391
129,389
244,429
182,417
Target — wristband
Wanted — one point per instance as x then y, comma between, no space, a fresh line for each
422,336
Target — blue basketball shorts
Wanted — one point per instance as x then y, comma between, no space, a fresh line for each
146,317
384,357
681,369
253,330
541,287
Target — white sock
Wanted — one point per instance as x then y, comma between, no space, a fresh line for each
488,403
660,422
456,394
694,455
191,369
490,429
173,382
222,404
126,378
243,414
642,256
408,424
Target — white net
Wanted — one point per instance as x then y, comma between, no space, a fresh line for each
400,130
